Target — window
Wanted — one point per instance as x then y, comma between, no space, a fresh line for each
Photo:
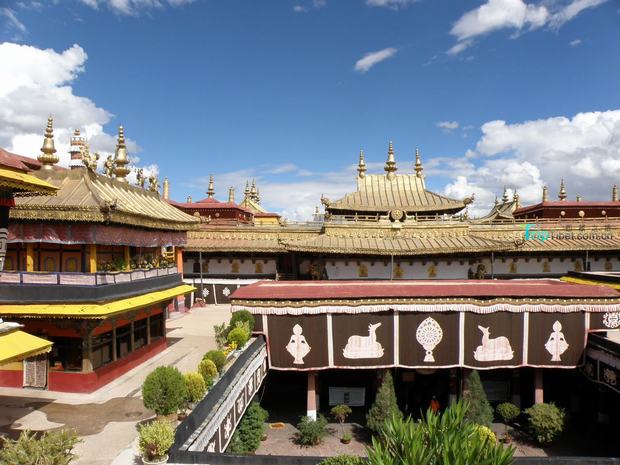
66,353
157,326
102,349
123,340
139,334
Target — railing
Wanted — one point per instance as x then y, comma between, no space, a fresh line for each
83,279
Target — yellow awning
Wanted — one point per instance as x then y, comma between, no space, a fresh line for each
84,310
18,345
19,181
570,279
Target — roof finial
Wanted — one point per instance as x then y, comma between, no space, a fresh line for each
614,193
253,190
562,195
418,164
257,197
545,194
189,199
505,196
166,189
496,203
121,170
78,142
578,198
516,199
361,166
390,164
211,190
246,192
48,157
231,194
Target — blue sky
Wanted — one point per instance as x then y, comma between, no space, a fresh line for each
495,93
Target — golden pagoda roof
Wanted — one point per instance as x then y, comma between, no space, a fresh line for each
86,196
24,183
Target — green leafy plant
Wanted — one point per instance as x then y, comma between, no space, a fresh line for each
508,413
218,357
51,448
480,410
208,371
239,336
486,433
546,422
196,386
164,390
447,438
340,413
248,435
385,405
311,432
242,316
155,438
343,460
221,333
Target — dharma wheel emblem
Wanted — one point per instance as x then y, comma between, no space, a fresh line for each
611,319
429,334
396,215
556,345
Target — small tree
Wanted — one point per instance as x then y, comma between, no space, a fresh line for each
546,422
154,439
217,357
196,386
480,410
239,336
311,432
508,412
251,429
340,413
221,333
164,390
51,448
385,405
242,316
208,370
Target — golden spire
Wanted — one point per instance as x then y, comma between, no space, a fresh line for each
166,189
614,193
47,157
121,170
516,199
189,199
562,194
211,191
253,190
496,203
505,196
418,164
78,142
257,197
545,194
246,192
390,164
231,194
578,199
361,166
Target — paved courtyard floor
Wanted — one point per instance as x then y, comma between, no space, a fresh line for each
106,419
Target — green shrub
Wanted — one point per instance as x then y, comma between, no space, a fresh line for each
343,460
311,432
208,371
480,410
217,357
196,386
242,316
485,433
340,413
447,438
155,438
508,412
164,390
250,431
546,422
384,407
221,333
51,448
239,336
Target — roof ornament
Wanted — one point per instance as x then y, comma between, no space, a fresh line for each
88,160
516,199
140,178
231,194
48,157
325,201
121,160
496,203
545,194
189,199
390,164
257,198
578,199
166,189
211,191
246,192
153,183
505,196
361,166
108,166
614,193
253,190
470,199
75,150
418,164
562,195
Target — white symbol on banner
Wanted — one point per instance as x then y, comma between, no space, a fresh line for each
556,345
429,334
226,291
205,292
497,348
297,346
211,447
240,405
611,319
364,346
610,376
227,428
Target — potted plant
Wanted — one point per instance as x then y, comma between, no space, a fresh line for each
340,413
154,440
508,412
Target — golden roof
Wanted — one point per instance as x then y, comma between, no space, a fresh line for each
18,181
85,196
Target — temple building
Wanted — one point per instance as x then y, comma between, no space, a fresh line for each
94,269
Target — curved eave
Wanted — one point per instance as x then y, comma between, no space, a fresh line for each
18,345
410,209
24,183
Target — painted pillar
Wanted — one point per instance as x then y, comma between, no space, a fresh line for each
4,225
127,258
453,386
539,393
312,396
87,364
30,257
92,258
148,330
179,259
515,388
114,354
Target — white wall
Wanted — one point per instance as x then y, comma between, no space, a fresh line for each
224,266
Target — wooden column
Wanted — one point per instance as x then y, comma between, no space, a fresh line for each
114,354
131,341
92,258
179,259
29,257
87,363
127,258
312,396
148,330
539,393
515,387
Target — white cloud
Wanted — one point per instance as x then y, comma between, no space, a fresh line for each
134,7
12,19
36,83
448,126
574,43
516,15
394,4
371,59
313,5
